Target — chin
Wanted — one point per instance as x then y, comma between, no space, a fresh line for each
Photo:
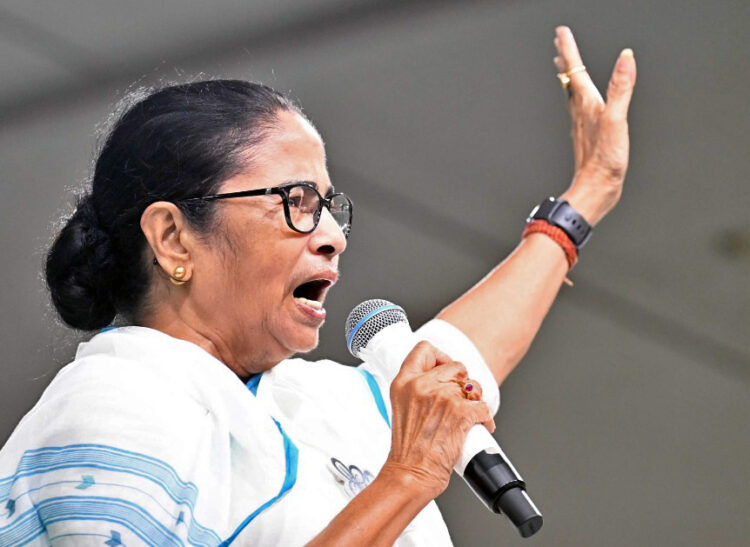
302,341
307,348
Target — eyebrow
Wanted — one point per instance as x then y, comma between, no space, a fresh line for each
331,190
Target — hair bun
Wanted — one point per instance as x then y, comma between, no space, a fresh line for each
79,270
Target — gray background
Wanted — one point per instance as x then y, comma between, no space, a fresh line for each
630,416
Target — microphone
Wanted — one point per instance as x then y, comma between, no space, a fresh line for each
377,331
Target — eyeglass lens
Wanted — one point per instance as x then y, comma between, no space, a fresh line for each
304,209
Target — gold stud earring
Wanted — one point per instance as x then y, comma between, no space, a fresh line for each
177,276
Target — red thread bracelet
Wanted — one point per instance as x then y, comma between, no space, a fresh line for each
557,235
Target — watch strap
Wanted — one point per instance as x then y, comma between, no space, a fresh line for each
561,214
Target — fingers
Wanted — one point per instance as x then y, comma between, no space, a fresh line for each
566,46
424,357
489,420
429,372
464,412
479,413
560,64
570,58
620,89
453,372
471,390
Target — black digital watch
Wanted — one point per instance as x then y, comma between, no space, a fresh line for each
562,215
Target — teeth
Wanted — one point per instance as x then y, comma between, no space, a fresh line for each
312,303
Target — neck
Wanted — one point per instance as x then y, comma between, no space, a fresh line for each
178,326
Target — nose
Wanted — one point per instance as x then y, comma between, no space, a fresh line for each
328,238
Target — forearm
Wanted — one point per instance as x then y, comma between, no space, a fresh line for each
378,514
503,313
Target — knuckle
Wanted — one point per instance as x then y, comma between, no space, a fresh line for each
621,80
585,102
456,405
616,84
403,386
419,386
592,104
424,345
612,116
486,410
444,398
481,411
618,88
400,380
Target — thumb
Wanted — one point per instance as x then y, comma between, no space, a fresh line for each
621,84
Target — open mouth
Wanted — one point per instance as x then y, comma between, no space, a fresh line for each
312,293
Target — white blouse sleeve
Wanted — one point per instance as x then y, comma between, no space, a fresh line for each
459,347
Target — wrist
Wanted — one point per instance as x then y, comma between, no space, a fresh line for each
591,196
420,488
378,514
555,234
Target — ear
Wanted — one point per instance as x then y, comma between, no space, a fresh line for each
169,236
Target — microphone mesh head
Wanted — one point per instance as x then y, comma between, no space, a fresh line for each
369,318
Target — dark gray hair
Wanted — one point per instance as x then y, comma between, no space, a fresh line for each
176,142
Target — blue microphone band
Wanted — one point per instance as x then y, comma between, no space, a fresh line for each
364,320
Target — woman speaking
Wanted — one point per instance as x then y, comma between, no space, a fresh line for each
212,233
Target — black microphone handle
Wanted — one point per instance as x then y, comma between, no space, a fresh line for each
494,480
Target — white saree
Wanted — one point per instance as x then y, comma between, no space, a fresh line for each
145,439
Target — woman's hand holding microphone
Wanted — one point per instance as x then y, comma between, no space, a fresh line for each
434,405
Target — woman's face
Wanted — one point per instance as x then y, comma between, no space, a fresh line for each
246,274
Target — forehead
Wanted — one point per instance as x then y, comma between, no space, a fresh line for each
292,151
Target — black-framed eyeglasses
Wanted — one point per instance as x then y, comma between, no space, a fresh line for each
303,205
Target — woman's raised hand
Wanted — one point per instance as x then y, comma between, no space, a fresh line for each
431,416
599,129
